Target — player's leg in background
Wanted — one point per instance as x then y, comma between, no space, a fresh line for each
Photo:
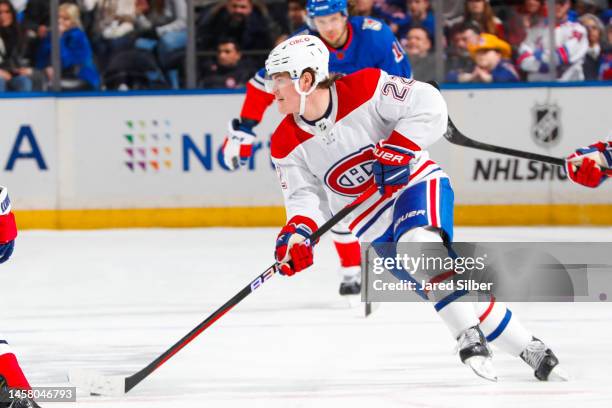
349,252
10,372
12,378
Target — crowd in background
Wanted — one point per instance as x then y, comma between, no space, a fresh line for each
140,44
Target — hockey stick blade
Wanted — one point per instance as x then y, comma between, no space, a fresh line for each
94,383
97,384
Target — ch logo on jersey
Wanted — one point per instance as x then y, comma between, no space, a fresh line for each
351,175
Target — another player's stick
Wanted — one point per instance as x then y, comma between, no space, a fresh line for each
455,136
97,384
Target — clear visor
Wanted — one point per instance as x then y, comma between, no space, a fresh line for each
277,81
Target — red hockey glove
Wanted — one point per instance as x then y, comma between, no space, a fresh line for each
293,248
583,166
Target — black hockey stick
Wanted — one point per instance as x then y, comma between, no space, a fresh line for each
97,384
455,136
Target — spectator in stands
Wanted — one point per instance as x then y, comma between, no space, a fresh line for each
605,68
296,14
19,6
535,54
228,71
481,13
492,57
112,30
458,58
78,69
522,17
418,15
296,18
248,22
593,58
418,48
13,77
365,8
590,7
162,26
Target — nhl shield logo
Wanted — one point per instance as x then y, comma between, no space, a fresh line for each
546,129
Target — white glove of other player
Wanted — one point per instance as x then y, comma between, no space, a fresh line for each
238,145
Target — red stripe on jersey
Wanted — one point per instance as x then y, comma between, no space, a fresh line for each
522,57
563,55
488,311
441,277
367,211
8,228
432,202
287,137
420,169
255,103
398,139
355,89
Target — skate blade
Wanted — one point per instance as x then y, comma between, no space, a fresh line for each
558,375
482,366
352,301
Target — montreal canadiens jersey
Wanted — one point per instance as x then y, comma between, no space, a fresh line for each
572,44
370,44
324,170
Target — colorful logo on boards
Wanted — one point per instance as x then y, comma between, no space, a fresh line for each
148,145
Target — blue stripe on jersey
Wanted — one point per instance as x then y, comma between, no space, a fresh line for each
502,326
373,219
450,298
3,342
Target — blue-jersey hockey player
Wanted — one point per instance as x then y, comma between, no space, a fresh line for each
353,43
372,119
11,375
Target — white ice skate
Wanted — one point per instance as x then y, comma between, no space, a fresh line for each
543,361
475,353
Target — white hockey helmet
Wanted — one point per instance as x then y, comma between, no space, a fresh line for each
293,56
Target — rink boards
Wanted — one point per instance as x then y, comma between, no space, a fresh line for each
139,160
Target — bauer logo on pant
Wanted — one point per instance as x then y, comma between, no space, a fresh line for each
546,128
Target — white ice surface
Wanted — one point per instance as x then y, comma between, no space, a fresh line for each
114,300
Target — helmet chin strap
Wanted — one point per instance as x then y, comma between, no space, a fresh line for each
303,95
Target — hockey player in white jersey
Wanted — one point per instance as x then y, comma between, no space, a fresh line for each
371,127
11,375
354,42
571,45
